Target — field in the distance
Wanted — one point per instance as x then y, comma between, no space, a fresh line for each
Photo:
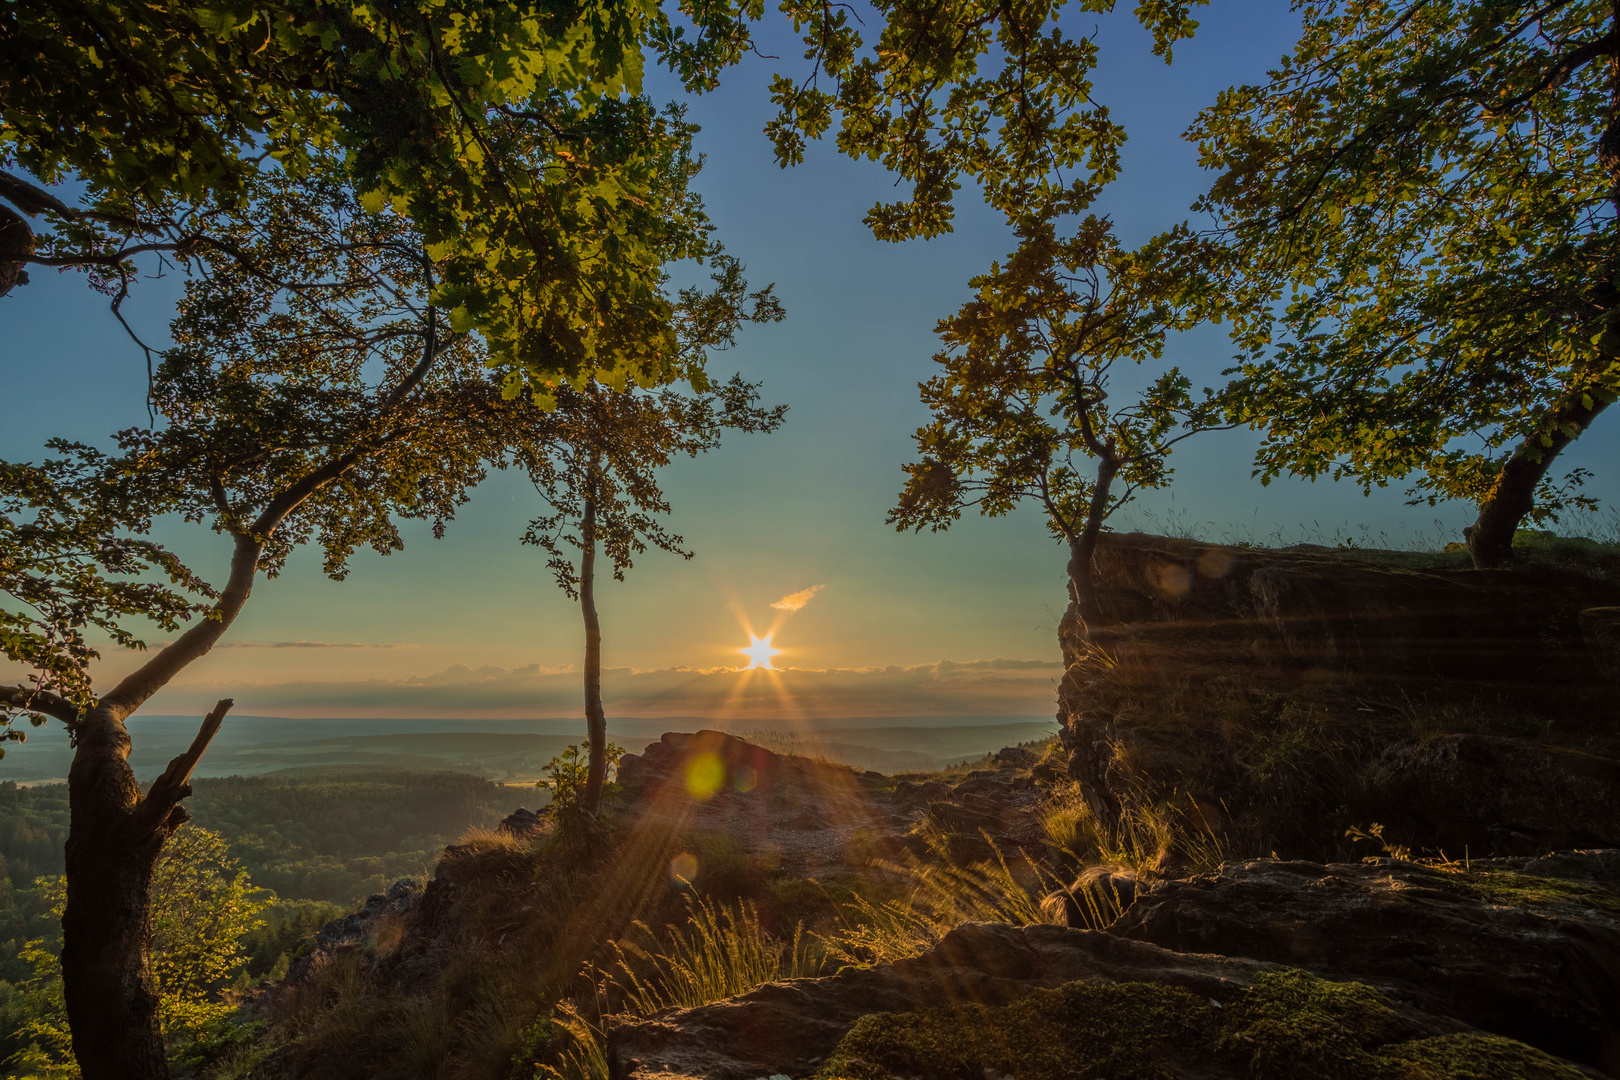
514,751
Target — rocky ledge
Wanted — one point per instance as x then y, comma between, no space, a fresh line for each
1506,968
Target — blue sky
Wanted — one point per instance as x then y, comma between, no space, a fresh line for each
767,515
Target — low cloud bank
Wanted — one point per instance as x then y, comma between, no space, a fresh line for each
944,688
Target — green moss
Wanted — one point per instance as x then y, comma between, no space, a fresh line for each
1126,1031
1507,887
1473,1057
1295,1024
1291,1024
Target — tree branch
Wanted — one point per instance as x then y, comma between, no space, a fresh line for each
153,675
1562,69
167,790
40,701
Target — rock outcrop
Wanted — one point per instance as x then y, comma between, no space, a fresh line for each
1448,966
358,929
1364,650
1481,793
1535,958
815,817
1370,612
792,1027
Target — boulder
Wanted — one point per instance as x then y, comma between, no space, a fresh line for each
523,822
357,929
1535,958
1489,793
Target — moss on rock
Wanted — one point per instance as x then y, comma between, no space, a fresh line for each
1291,1024
1508,887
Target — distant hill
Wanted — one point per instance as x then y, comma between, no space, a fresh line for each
512,750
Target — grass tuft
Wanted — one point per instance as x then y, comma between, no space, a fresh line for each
719,952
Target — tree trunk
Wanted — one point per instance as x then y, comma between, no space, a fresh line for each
107,925
1490,538
16,244
114,837
113,841
1084,611
595,718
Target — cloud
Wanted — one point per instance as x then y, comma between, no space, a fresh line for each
793,601
310,645
998,687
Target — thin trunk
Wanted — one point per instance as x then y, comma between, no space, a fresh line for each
595,718
1083,550
1490,538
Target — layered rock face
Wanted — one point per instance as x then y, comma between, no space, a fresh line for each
1355,645
1304,607
1452,965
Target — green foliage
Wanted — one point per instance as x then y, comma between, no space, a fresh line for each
47,1044
338,838
1025,387
612,439
566,775
317,837
511,137
69,568
1290,1024
203,906
962,91
1417,216
285,932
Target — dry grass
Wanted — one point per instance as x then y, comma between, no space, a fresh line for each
719,952
941,897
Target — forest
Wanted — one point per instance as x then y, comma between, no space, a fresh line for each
1317,810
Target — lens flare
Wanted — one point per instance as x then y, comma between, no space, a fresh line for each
705,775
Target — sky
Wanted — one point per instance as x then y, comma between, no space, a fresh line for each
883,624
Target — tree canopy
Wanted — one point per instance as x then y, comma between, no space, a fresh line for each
1024,409
511,135
1419,219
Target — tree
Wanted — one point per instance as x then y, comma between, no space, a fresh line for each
511,135
1026,391
990,91
996,94
601,479
203,906
1419,212
315,393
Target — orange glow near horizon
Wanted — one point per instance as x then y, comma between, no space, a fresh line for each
759,653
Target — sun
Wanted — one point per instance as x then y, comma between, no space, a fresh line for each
760,652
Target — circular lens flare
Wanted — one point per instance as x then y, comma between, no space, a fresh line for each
760,652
